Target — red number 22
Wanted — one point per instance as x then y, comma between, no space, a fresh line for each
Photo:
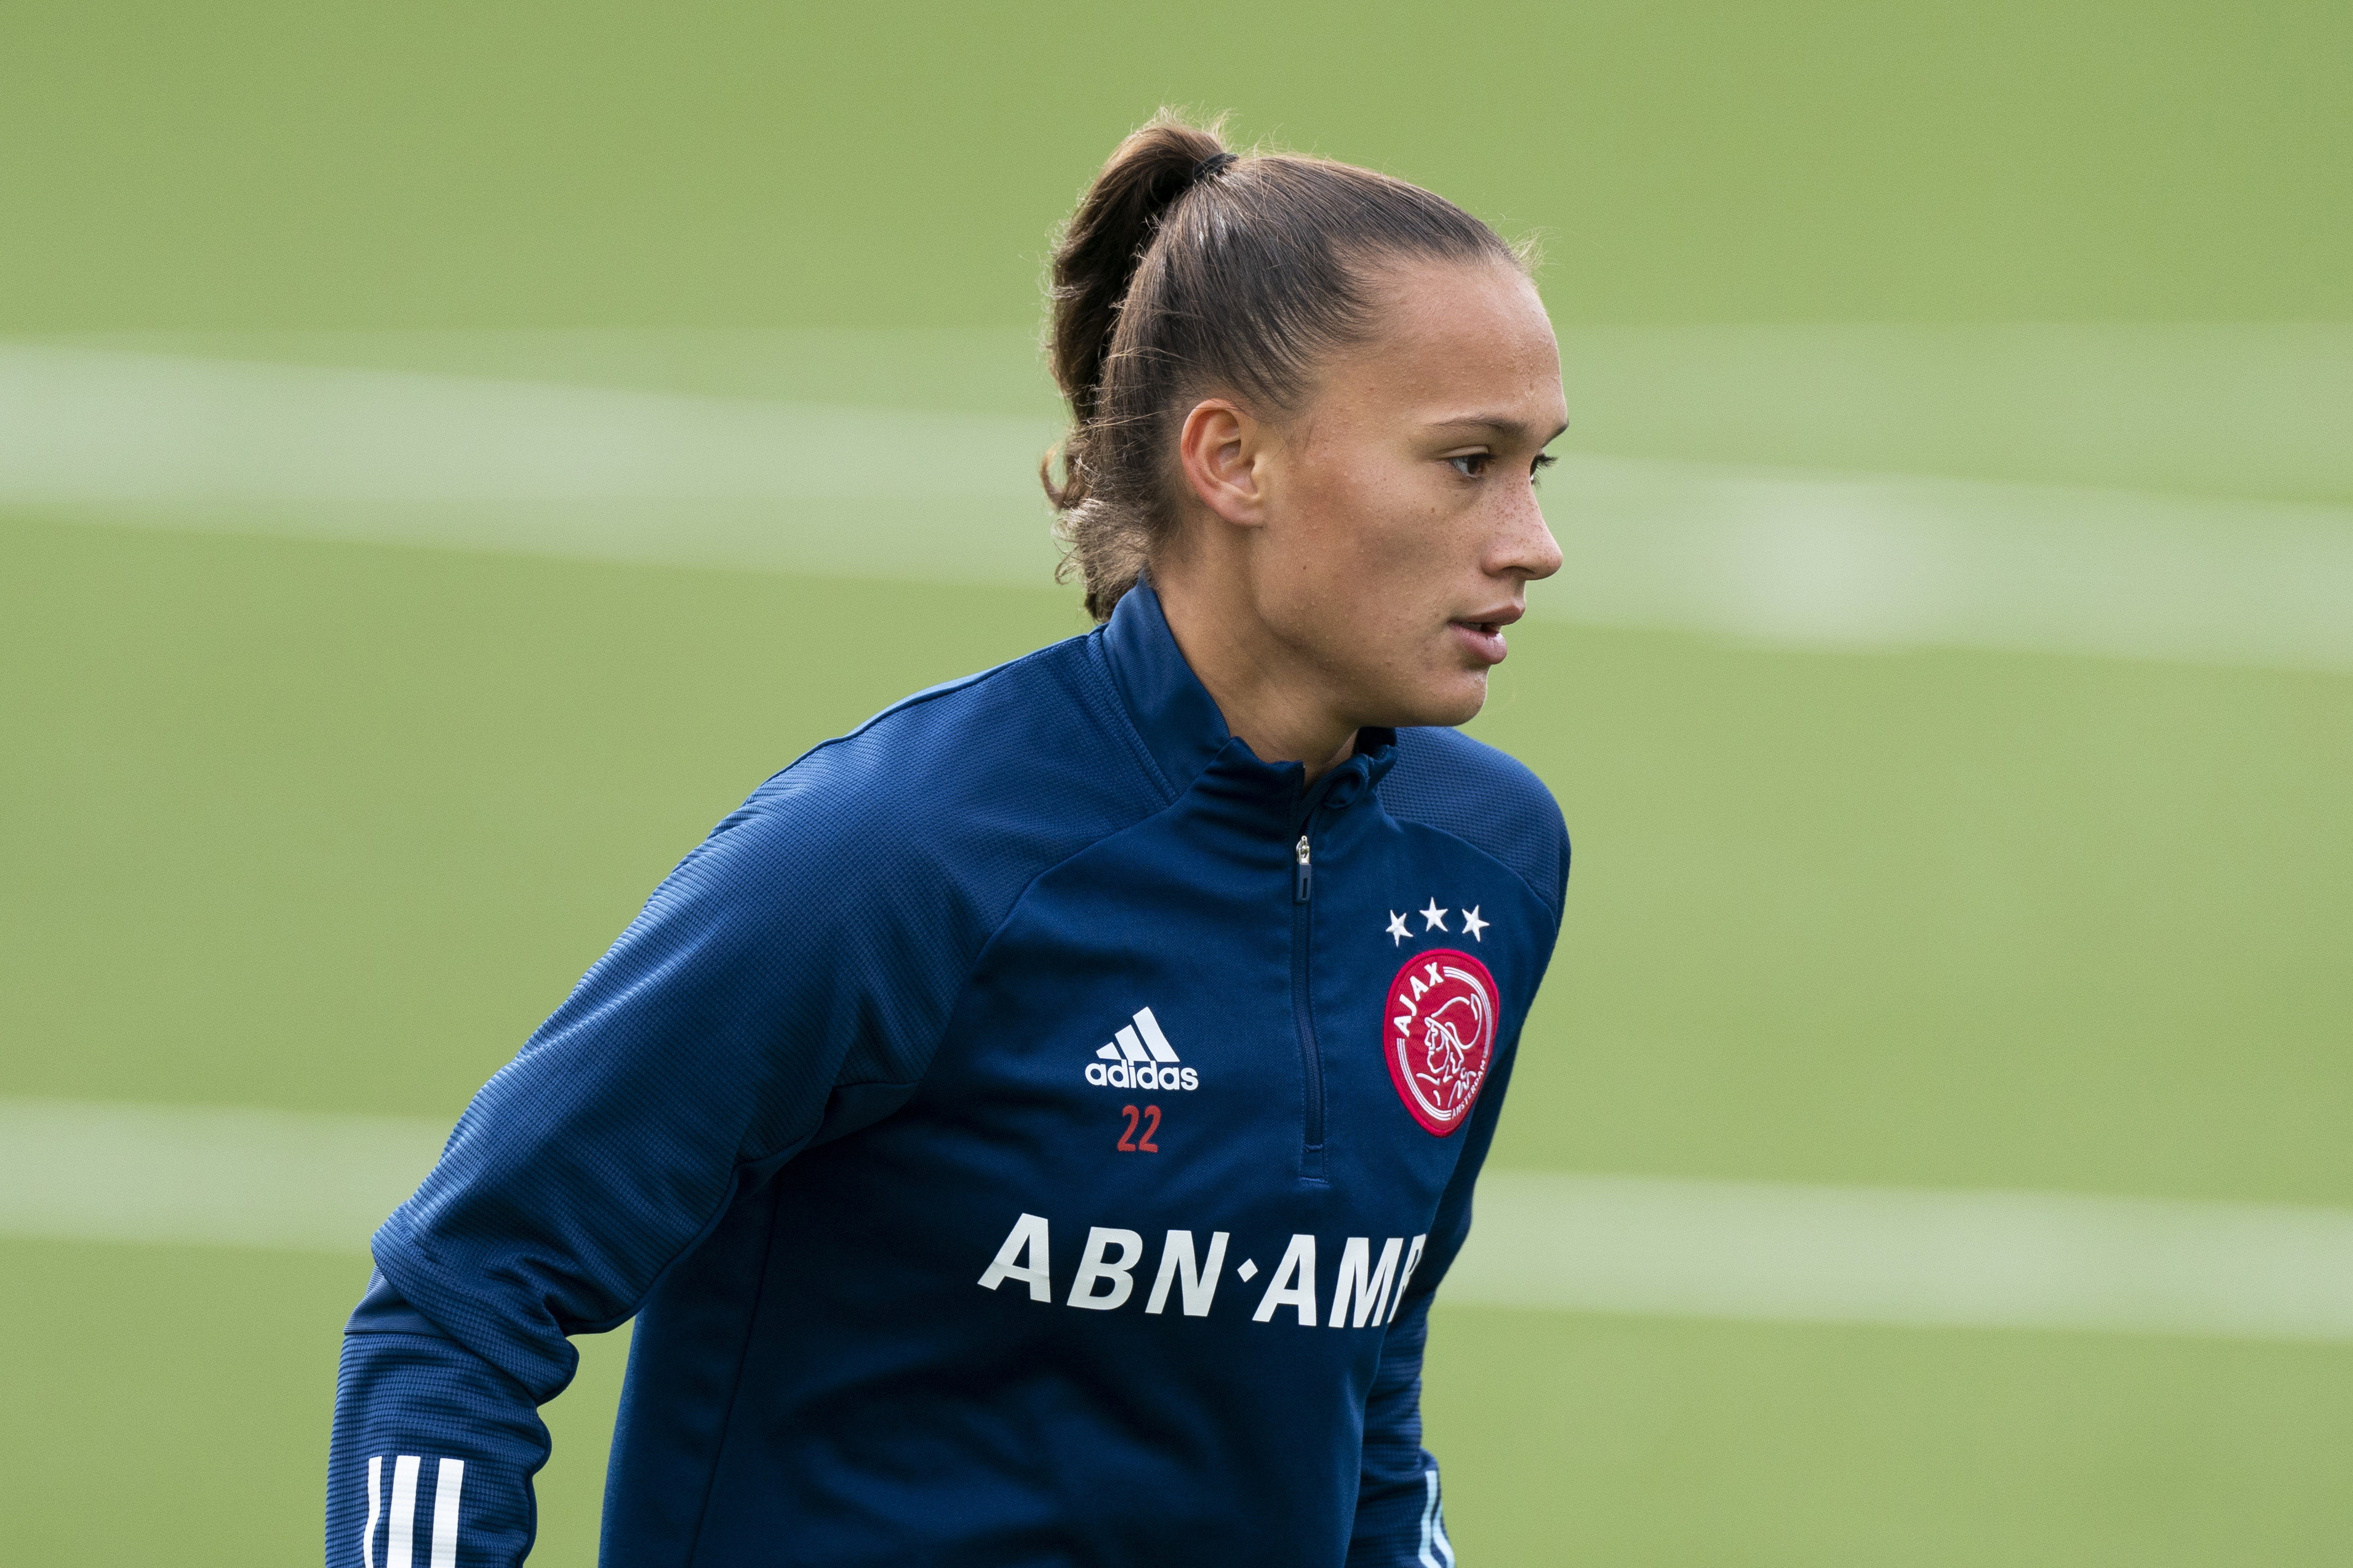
1129,1142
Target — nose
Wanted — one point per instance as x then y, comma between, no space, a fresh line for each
1525,548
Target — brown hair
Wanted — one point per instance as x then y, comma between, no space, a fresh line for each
1179,276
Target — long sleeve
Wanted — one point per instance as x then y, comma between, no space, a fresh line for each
1400,1513
704,1049
428,1437
1400,1520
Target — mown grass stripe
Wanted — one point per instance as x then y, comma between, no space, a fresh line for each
1932,1259
1841,558
1651,1246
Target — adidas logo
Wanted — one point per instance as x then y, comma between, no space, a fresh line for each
1141,1057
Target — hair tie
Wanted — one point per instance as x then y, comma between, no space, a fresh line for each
1208,167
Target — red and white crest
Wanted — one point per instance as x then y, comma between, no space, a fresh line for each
1438,1035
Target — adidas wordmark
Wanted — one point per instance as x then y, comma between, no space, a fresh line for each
1140,1057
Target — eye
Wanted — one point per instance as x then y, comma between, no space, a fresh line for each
1470,465
1535,469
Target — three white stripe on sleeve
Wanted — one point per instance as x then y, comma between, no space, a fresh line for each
1437,1552
400,1528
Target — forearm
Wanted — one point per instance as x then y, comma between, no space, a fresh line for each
433,1456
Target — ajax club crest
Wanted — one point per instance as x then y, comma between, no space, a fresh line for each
1438,1035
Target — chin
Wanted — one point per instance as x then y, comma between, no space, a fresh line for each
1443,703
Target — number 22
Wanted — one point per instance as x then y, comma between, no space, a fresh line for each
1129,1142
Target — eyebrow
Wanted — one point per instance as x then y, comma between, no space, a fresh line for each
1498,425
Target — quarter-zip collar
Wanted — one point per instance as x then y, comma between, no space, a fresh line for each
1179,723
1170,708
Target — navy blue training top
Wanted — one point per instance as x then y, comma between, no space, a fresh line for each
1027,1131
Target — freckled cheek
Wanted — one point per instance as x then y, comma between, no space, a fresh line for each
1392,543
1390,516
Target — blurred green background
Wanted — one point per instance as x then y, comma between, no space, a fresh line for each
329,824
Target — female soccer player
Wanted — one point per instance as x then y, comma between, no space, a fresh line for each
1030,1131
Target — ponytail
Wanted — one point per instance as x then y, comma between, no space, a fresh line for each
1185,270
1105,240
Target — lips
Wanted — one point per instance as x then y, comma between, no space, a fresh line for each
1481,634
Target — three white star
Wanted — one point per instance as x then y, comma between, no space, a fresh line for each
1434,918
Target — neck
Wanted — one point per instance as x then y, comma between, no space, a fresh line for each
1268,694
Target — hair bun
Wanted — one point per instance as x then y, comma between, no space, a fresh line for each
1211,165
1105,239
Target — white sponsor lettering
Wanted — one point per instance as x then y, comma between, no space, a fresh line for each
1367,1292
1198,1283
1293,1284
1026,1239
1094,1267
1369,1283
1405,1276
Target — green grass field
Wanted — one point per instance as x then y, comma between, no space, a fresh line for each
329,824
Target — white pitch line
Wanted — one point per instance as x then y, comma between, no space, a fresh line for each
207,1175
1649,1245
1812,558
1787,1253
105,427
546,469
1847,559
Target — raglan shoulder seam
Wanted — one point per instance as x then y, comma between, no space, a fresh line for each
1537,799
1115,709
928,694
1551,906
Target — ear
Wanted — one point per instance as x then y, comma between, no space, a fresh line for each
1222,447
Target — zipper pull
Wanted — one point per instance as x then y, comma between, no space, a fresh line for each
1300,883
